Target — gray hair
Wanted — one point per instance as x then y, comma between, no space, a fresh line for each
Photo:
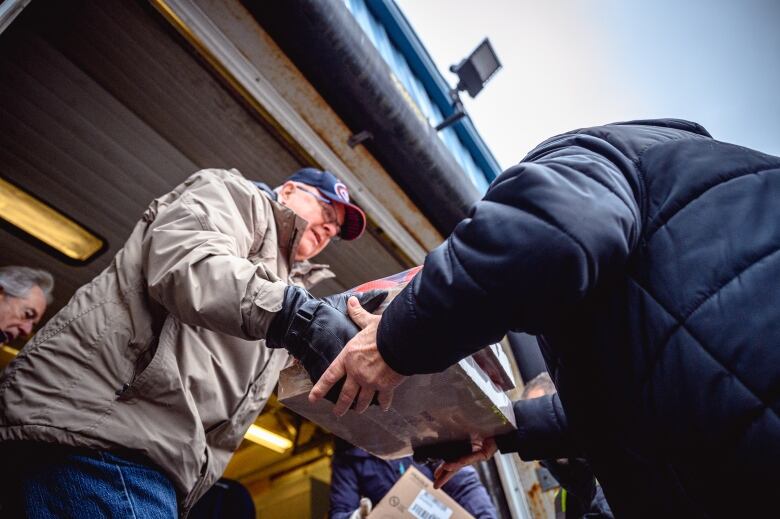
543,382
17,281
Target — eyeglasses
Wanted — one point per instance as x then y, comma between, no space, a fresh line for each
328,212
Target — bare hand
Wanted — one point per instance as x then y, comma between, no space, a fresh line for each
483,450
363,365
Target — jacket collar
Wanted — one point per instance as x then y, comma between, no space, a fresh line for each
677,124
266,190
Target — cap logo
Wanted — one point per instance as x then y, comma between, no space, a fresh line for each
341,191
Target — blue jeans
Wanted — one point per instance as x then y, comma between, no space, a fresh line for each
56,482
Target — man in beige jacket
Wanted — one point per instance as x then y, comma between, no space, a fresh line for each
130,401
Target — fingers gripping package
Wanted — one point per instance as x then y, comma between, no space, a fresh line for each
464,402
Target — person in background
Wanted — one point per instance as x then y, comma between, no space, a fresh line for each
645,257
24,295
360,480
581,495
130,401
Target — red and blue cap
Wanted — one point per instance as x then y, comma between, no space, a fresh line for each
334,189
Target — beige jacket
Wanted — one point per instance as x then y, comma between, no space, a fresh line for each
162,353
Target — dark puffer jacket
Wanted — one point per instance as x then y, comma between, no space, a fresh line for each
646,257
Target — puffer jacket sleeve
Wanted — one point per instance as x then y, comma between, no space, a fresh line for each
542,431
545,234
195,257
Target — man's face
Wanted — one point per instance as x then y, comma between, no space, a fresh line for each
324,220
18,315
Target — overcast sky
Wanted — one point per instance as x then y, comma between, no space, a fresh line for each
574,63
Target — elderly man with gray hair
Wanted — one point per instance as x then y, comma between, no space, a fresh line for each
24,294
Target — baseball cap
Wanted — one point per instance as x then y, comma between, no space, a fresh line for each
334,189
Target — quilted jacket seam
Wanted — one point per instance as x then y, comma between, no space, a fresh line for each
736,176
612,191
681,325
644,202
729,371
679,321
452,253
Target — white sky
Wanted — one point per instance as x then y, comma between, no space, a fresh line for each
574,63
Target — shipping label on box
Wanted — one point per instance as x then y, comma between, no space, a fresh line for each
426,506
414,496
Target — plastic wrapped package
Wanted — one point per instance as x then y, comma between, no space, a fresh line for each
460,403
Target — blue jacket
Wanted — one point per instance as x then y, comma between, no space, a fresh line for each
357,474
646,258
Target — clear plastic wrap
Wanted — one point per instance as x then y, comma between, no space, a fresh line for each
460,403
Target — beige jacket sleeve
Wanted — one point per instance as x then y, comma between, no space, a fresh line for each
195,256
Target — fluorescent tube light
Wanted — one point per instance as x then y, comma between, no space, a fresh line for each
268,439
46,224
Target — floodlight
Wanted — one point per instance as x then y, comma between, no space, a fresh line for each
476,70
473,73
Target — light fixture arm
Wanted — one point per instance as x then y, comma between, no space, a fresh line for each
473,73
458,113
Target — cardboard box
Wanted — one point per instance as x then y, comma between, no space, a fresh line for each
457,404
413,496
463,402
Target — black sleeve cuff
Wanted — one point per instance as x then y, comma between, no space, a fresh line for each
542,431
389,336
